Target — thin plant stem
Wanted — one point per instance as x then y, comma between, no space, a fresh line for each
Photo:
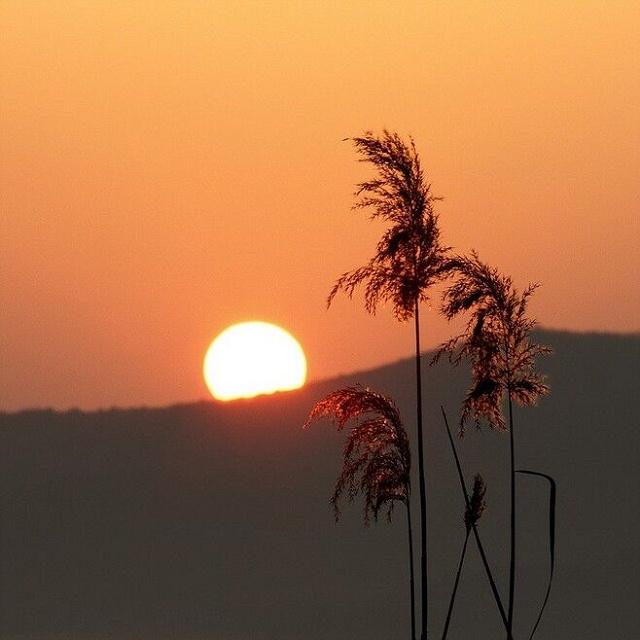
421,479
552,537
512,561
455,585
411,574
483,555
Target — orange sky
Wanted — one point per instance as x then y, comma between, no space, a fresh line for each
169,168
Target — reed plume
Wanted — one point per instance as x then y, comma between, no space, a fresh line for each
410,257
477,504
496,341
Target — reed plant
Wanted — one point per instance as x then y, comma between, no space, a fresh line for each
472,523
497,342
376,460
410,258
475,505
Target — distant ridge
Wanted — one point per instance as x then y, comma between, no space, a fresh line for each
542,334
211,520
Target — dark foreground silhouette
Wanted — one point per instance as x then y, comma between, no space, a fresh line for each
210,520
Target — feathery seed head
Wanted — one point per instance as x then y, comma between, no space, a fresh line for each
376,455
477,502
410,256
496,340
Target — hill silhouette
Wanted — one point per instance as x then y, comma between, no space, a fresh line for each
212,520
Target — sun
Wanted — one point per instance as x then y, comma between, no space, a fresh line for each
253,358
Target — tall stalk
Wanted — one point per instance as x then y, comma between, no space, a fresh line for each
409,260
455,586
512,561
422,485
411,574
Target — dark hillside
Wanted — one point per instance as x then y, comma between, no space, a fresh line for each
210,520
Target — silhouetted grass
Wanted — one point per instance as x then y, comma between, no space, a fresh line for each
410,258
552,539
472,523
473,510
497,342
376,457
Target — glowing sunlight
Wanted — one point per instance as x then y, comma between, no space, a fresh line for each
253,358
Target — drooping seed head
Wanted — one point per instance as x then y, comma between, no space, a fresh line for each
376,455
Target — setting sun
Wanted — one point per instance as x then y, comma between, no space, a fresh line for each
253,358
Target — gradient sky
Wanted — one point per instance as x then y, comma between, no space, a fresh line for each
170,168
